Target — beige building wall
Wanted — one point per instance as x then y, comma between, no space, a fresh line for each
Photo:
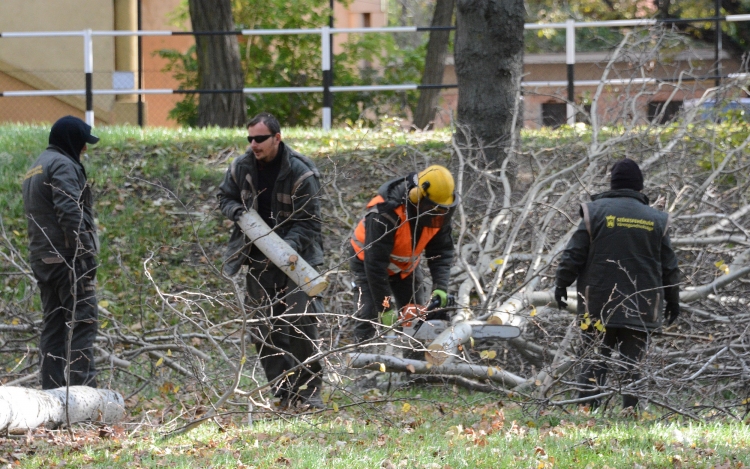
54,62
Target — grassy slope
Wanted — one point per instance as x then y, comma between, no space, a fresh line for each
136,173
145,185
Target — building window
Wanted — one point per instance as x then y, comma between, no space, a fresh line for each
366,20
656,107
554,114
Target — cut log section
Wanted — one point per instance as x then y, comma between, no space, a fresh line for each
25,408
281,254
445,347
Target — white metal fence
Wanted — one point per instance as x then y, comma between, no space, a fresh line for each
327,87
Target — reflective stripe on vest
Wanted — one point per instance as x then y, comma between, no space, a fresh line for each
403,259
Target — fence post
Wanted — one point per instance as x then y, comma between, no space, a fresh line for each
570,61
140,67
325,36
88,69
717,42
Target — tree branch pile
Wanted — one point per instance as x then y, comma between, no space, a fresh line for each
190,346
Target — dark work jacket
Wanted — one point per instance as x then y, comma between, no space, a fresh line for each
623,260
295,206
380,230
59,208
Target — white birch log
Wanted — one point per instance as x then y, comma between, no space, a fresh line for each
445,346
446,343
25,408
281,254
374,361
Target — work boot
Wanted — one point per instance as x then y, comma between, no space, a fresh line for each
281,402
314,402
309,399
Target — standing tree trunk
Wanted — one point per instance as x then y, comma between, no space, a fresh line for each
434,64
489,64
218,65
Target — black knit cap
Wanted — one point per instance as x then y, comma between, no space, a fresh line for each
626,175
70,134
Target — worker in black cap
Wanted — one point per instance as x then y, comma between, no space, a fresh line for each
626,271
63,246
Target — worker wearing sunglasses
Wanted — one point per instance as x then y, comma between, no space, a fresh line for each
283,187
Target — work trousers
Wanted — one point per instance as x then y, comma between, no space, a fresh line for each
68,292
410,289
598,347
285,333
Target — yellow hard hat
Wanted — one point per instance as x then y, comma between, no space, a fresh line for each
434,183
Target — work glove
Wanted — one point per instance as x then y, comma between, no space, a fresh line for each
561,296
388,318
442,300
671,312
237,214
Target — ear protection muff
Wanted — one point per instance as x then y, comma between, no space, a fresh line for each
418,192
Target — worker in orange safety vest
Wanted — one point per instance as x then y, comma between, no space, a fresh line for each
410,216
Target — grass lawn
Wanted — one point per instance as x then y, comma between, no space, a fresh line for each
155,197
420,428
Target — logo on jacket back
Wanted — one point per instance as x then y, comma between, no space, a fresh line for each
611,221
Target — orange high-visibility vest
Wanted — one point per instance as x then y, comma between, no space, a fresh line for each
405,254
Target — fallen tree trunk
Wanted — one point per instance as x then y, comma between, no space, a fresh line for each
374,361
25,408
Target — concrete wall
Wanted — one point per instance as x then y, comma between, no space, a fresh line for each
53,63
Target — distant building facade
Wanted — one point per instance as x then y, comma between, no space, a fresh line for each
545,106
56,63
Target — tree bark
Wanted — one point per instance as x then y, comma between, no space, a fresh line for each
219,65
434,64
281,254
374,361
24,408
489,64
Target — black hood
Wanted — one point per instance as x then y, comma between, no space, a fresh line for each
70,134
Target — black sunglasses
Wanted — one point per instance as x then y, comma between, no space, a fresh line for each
259,138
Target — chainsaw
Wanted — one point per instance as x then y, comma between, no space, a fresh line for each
425,323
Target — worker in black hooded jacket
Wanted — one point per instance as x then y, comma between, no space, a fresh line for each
626,271
63,245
